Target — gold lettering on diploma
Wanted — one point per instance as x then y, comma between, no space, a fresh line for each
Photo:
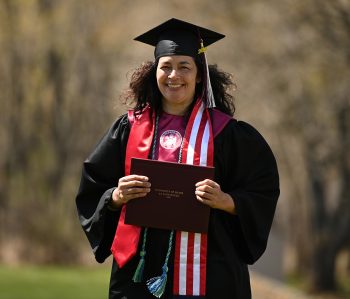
167,193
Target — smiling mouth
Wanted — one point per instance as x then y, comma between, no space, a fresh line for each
174,85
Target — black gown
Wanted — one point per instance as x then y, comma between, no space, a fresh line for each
244,167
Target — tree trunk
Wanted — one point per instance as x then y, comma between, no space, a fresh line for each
323,268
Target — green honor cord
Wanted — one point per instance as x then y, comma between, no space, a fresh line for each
156,285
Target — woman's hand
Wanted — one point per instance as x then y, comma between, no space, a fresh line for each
130,187
210,193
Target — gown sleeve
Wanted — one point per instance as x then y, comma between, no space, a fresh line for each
100,174
250,176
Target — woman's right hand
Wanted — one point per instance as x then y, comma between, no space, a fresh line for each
130,187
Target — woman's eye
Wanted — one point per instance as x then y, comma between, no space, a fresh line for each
185,68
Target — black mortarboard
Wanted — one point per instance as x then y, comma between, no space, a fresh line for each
176,37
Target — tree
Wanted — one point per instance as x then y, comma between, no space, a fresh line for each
326,139
57,91
293,60
316,115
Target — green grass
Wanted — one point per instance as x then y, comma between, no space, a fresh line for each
343,292
30,282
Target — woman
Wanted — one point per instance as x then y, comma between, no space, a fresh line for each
175,98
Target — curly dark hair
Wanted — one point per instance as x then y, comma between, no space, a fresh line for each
143,89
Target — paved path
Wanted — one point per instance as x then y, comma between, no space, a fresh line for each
270,264
265,288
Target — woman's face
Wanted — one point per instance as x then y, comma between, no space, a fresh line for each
176,78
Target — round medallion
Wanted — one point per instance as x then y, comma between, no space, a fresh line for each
170,139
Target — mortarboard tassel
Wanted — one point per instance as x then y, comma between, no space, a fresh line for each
156,285
207,93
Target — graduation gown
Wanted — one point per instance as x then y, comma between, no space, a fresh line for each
244,167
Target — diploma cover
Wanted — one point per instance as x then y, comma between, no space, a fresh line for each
171,203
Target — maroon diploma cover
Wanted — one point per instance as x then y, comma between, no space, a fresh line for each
172,202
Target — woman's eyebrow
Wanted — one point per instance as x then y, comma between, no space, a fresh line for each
181,63
165,62
184,63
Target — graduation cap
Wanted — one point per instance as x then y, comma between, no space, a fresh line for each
177,37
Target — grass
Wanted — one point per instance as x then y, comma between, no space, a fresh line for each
343,284
32,282
29,282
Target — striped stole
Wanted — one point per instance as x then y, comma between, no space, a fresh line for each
191,248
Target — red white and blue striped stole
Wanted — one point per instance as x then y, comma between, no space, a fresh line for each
191,248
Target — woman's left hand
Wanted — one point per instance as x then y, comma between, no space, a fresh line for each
209,193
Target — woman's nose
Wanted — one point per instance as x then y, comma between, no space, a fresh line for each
173,73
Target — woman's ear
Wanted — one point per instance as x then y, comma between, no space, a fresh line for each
198,79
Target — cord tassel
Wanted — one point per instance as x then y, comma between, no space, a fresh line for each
138,275
156,285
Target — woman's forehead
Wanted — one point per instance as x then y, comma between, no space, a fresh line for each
177,59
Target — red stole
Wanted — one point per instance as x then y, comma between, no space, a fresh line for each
127,236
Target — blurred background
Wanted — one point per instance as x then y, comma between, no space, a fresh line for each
63,66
